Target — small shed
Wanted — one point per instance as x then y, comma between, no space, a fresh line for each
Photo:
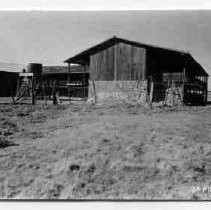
8,83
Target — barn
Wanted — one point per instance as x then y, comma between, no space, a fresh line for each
121,69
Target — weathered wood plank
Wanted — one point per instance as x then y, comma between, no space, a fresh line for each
123,62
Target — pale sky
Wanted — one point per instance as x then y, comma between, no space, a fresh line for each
103,4
52,37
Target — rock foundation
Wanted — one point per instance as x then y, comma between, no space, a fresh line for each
128,91
133,92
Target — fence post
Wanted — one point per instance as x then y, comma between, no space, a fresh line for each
94,91
151,93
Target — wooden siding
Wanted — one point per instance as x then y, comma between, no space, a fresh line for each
102,65
130,63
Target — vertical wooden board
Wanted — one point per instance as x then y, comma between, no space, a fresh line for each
110,58
91,68
95,67
107,60
90,65
131,63
123,72
139,64
124,62
101,65
121,66
100,69
144,65
133,67
105,63
135,62
112,64
139,59
143,62
119,61
136,57
128,62
108,65
118,52
94,73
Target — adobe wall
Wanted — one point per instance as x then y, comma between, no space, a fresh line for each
133,92
174,95
127,91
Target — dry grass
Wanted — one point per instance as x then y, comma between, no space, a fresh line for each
108,151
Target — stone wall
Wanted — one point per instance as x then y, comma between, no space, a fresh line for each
135,92
168,94
174,94
128,91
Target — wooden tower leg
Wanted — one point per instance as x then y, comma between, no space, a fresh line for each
17,89
33,89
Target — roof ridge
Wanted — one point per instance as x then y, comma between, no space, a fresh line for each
153,45
114,37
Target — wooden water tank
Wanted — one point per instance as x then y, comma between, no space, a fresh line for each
35,68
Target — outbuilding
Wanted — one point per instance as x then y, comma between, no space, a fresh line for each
120,69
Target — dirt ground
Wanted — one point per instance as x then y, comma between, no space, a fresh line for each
123,151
